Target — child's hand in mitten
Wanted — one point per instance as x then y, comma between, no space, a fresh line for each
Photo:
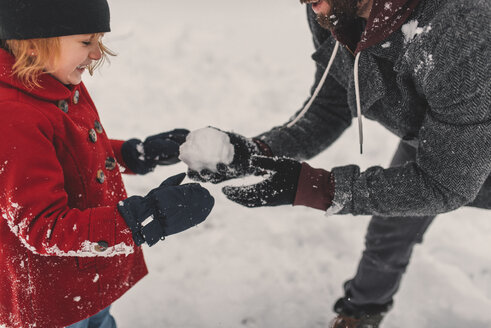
161,149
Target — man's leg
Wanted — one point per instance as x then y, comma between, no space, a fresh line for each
389,244
388,247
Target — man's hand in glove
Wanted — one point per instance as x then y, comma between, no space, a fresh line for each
161,149
277,189
166,210
240,166
288,182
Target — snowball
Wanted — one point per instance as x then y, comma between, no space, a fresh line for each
205,148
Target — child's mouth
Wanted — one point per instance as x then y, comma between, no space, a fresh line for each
82,67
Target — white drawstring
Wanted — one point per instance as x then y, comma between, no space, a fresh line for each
321,83
318,88
358,103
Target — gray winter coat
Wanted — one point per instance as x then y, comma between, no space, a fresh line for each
430,88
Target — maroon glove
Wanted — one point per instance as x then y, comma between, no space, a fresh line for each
315,188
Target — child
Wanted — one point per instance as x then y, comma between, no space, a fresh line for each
69,237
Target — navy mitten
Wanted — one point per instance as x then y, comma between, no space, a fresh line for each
166,210
161,149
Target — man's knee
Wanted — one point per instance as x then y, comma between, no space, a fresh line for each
391,231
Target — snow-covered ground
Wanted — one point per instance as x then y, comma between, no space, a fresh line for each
245,66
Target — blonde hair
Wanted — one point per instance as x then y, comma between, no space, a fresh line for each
28,68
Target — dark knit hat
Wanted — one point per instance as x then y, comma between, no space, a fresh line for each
33,19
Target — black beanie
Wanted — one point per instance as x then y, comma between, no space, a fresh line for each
34,19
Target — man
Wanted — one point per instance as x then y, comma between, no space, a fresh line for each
422,70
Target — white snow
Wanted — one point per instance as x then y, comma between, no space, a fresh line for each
88,249
96,278
425,64
2,167
141,151
411,29
16,225
205,148
334,209
245,67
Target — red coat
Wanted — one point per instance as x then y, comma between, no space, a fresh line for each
65,251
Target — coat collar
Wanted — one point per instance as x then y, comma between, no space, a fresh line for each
385,18
50,90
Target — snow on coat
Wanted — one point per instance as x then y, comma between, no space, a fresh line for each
65,251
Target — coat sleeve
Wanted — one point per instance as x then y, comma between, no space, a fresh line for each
117,146
327,118
453,158
34,202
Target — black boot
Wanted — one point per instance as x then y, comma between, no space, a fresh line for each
352,316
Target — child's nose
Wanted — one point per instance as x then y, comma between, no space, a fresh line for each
96,53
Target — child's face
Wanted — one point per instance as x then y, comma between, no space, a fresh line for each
76,53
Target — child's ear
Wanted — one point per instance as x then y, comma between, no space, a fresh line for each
32,49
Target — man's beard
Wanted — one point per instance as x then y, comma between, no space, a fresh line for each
342,12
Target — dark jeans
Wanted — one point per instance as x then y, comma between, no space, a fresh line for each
388,246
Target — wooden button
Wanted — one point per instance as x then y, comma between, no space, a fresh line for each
63,105
110,163
92,135
101,246
101,177
98,126
76,97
